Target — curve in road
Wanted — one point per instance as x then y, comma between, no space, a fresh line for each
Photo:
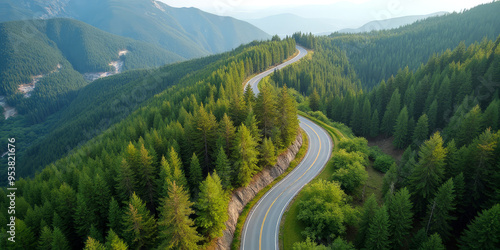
261,228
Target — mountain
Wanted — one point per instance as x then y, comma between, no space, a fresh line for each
287,24
379,54
39,70
391,23
188,32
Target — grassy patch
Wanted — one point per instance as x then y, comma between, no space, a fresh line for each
243,216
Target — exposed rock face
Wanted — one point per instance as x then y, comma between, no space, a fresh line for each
243,195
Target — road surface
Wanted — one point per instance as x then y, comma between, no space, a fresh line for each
261,229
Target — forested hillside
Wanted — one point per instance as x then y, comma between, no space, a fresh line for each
57,52
150,180
445,114
378,55
187,32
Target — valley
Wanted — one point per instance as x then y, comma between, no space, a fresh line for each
117,65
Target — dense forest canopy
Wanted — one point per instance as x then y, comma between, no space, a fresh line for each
152,155
164,161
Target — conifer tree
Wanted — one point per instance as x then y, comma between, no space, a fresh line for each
368,212
421,131
287,117
433,242
212,207
374,124
484,231
146,178
251,123
113,241
139,226
59,241
177,229
267,153
177,170
45,241
249,98
314,100
227,132
245,156
204,135
401,130
265,110
400,217
429,171
164,177
366,117
378,232
432,116
391,113
93,244
195,174
114,216
439,211
223,168
126,181
470,126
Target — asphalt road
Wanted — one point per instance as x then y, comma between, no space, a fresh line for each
261,229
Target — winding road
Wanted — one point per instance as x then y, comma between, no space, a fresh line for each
261,228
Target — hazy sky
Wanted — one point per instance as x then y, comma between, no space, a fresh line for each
395,8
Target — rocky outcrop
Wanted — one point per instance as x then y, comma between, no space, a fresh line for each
243,195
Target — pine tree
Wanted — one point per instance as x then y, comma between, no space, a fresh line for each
314,100
266,111
421,132
433,243
113,241
484,231
366,121
177,228
391,113
378,232
195,174
400,217
227,132
249,97
59,241
177,172
287,117
164,178
204,135
212,207
369,208
267,152
491,116
93,244
45,241
469,127
25,239
374,124
138,224
429,171
439,211
251,123
432,115
223,169
401,130
114,216
94,233
126,181
146,178
245,156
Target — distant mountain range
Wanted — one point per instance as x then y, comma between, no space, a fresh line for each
391,23
287,24
187,32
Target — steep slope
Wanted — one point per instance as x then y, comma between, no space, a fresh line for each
41,68
391,23
187,32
